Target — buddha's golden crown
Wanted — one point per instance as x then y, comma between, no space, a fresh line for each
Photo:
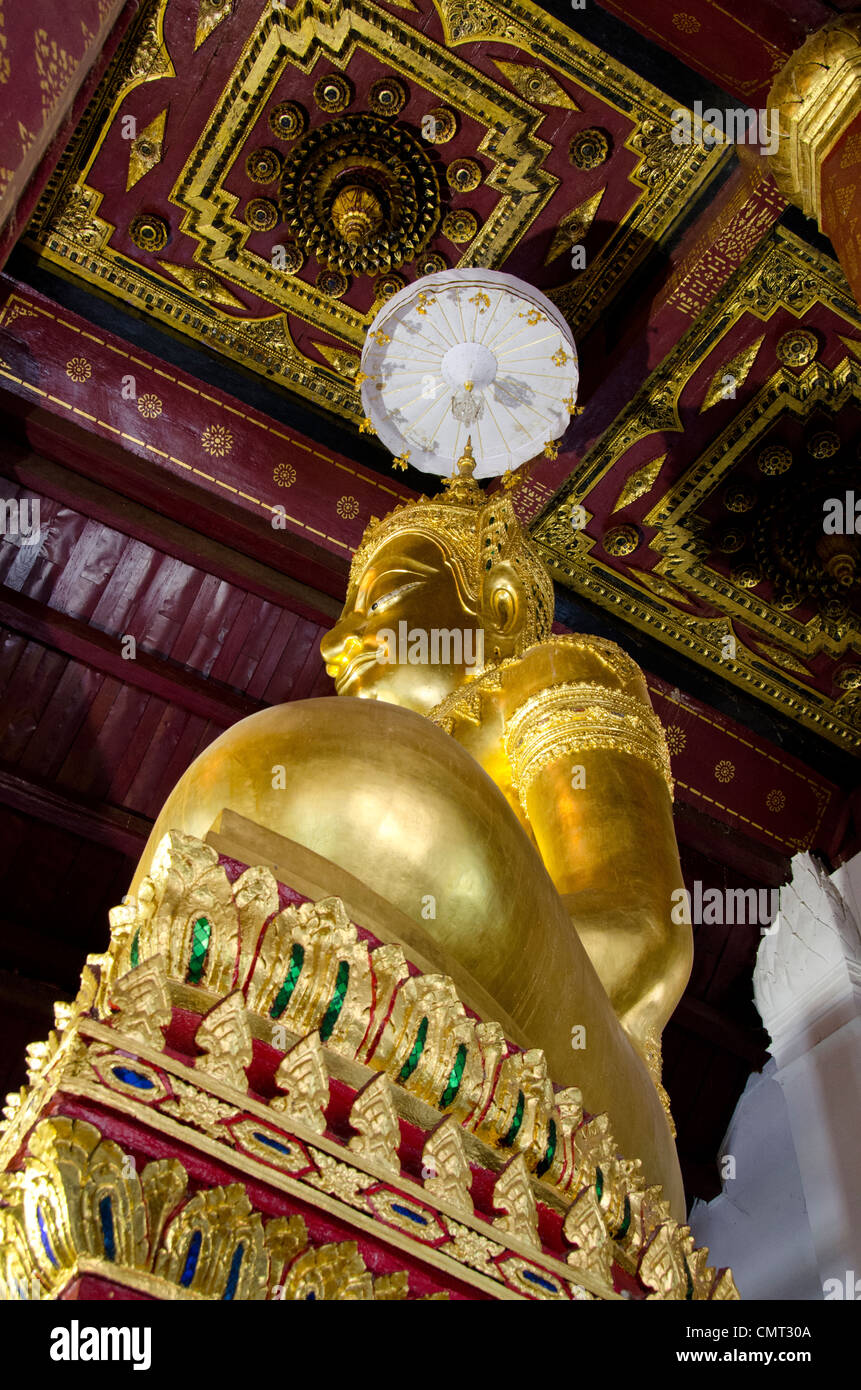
477,533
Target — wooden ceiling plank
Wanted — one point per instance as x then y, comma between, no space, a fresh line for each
102,652
160,532
34,796
35,678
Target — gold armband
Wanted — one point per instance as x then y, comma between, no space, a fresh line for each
575,718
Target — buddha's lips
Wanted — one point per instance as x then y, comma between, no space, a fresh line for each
353,667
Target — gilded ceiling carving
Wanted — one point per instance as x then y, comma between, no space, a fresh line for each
728,560
241,214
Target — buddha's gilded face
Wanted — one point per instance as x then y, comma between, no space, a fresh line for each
406,635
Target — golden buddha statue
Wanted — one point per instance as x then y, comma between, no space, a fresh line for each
515,810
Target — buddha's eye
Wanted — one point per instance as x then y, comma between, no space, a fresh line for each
386,600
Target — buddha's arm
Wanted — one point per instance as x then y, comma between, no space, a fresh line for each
589,759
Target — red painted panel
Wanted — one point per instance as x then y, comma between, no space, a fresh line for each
737,47
46,348
841,202
46,52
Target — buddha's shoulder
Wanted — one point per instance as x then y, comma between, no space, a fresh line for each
580,659
577,661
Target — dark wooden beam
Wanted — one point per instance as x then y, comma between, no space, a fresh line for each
124,831
103,652
143,524
105,462
729,846
723,1032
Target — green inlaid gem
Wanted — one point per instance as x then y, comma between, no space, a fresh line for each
626,1221
412,1061
515,1123
453,1085
336,1003
134,954
199,947
282,998
599,1183
550,1151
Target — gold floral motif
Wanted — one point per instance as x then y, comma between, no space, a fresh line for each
584,1229
196,1107
460,226
401,461
441,126
775,801
385,286
202,284
773,460
797,348
388,96
79,370
348,508
263,165
687,23
284,474
149,233
333,93
217,440
473,1249
288,120
824,445
463,175
621,540
261,214
341,1180
149,406
676,739
724,770
589,149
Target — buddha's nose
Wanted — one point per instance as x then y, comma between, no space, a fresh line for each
339,646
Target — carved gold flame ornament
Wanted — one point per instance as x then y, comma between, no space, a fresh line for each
360,194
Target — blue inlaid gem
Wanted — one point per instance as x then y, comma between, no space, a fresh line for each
45,1241
273,1143
408,1211
536,1279
106,1216
191,1260
133,1078
233,1276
